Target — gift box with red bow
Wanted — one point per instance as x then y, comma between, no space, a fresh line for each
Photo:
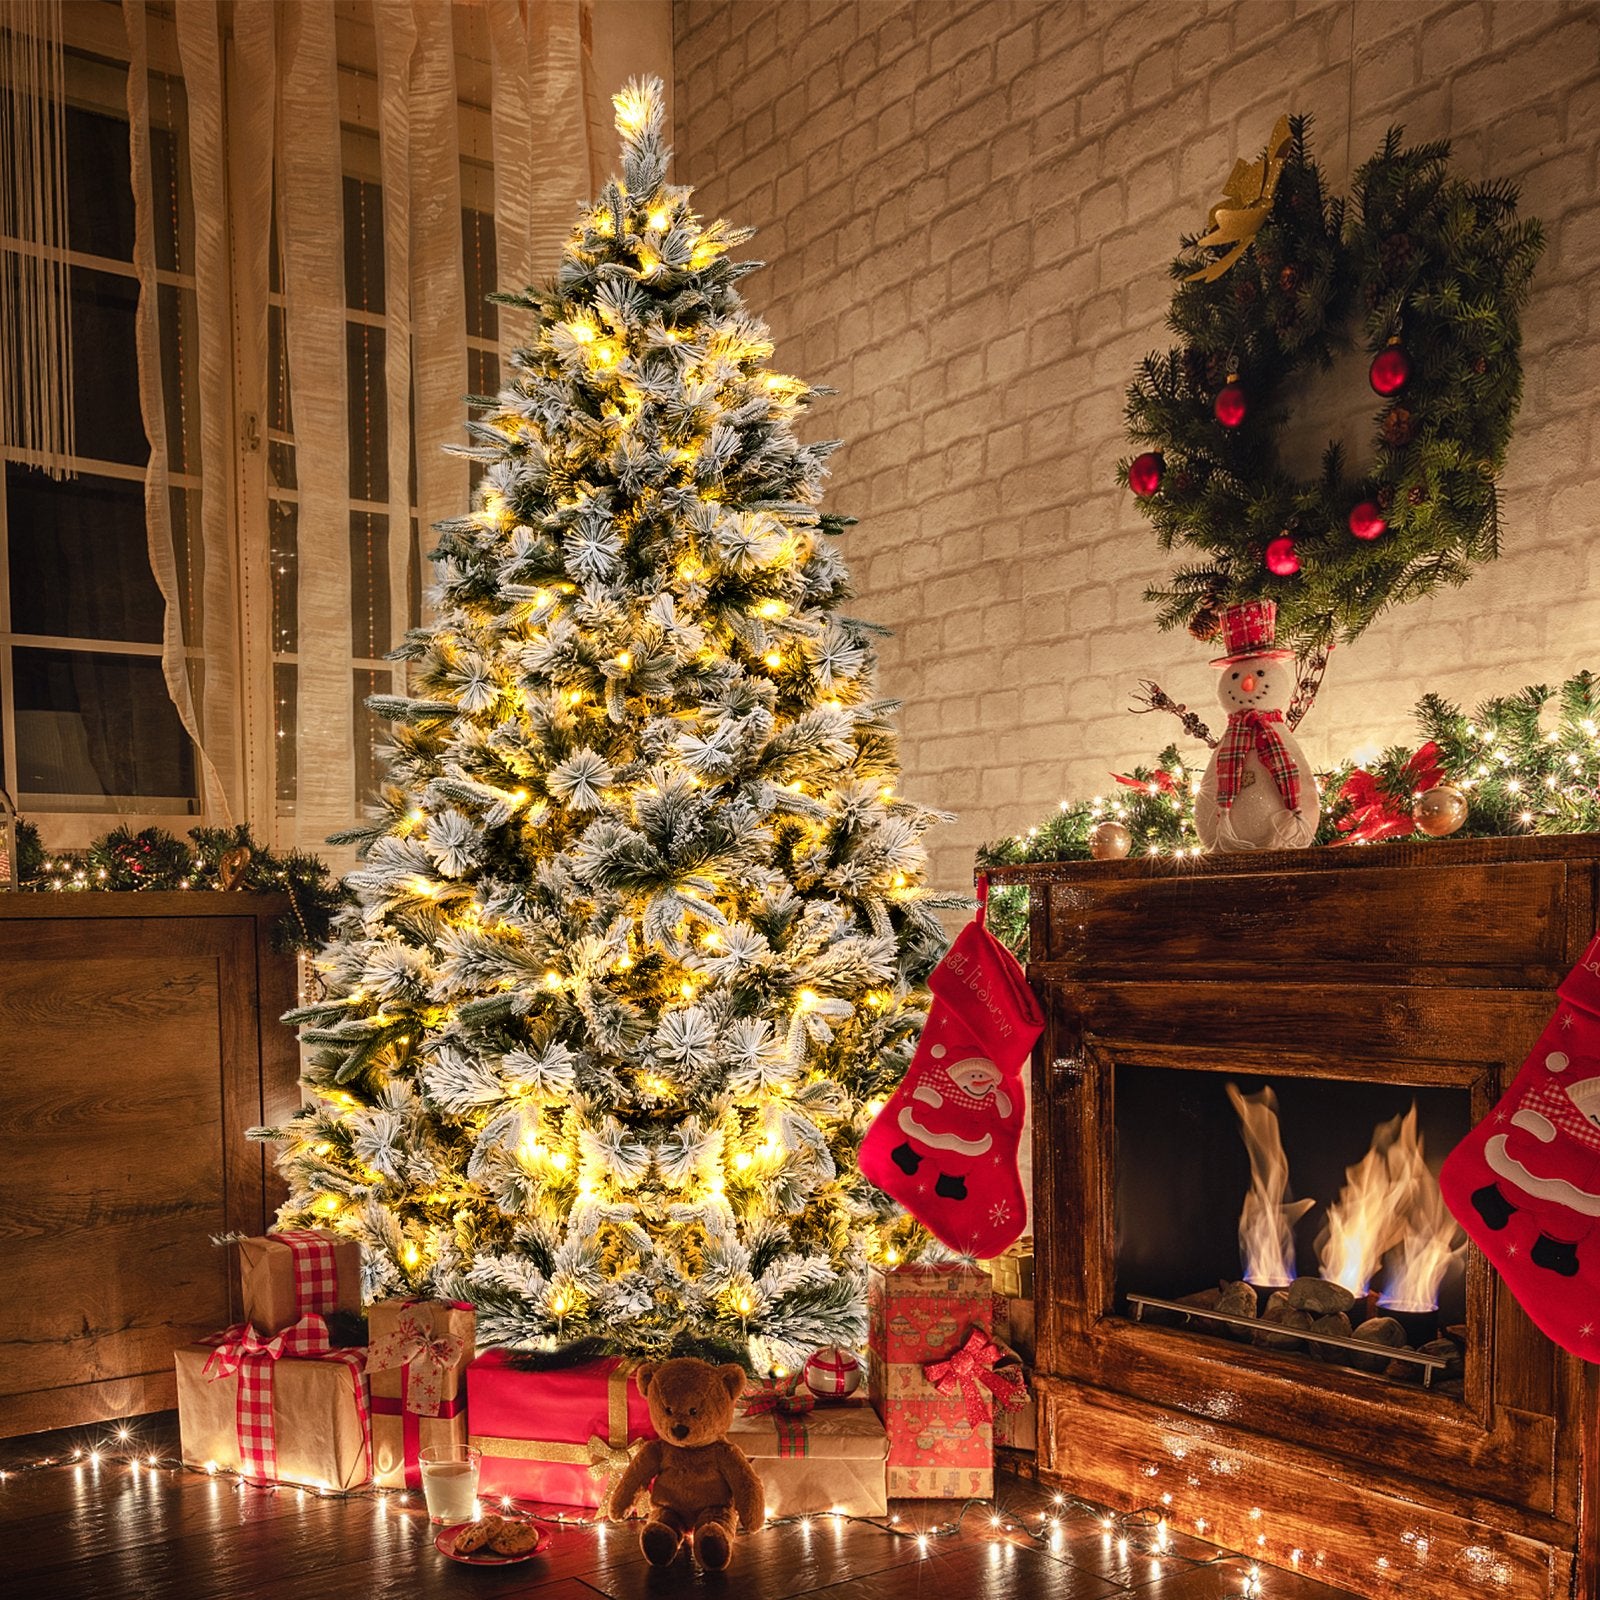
298,1271
285,1407
417,1356
560,1435
813,1455
936,1378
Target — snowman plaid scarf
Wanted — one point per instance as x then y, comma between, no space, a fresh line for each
1254,730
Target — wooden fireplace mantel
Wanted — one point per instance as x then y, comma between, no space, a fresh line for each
1431,964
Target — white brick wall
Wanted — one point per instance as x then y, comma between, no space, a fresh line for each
968,207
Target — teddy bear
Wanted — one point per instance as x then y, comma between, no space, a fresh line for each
698,1480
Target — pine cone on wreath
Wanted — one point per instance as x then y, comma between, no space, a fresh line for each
1395,253
1384,497
1481,365
1399,428
1204,623
1244,292
1183,480
1289,279
1416,495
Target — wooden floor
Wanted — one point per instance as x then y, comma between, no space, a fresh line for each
111,1532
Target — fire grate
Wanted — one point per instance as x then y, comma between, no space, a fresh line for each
1429,1364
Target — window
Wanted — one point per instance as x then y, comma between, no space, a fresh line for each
88,725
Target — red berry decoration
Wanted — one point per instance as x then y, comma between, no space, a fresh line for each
1390,370
1366,520
1144,474
1229,407
1282,562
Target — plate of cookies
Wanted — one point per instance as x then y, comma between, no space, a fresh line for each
490,1541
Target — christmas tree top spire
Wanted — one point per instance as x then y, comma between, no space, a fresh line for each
642,923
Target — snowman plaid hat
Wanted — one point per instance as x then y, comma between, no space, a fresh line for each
1249,632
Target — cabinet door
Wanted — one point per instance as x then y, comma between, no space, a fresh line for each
129,1070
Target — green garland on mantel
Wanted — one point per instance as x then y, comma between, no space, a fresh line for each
210,858
1527,763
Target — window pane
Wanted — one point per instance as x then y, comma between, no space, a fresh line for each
94,730
363,244
99,190
369,584
285,705
372,734
478,267
80,568
105,368
369,415
284,522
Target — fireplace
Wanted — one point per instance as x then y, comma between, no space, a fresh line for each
1251,1071
1295,1214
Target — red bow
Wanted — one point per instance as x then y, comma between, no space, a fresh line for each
779,1395
1374,813
972,1369
1159,782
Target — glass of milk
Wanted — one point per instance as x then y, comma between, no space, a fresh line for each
449,1481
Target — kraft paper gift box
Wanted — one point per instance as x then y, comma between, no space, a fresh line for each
286,1275
918,1315
283,1408
417,1357
1013,1271
829,1458
560,1435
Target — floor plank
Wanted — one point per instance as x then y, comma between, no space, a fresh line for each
81,1532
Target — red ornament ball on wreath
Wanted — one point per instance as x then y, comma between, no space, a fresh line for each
1230,406
1390,370
1366,521
1282,562
1144,473
832,1372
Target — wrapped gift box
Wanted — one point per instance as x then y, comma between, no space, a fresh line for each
286,1275
921,1314
830,1458
560,1435
1014,1326
417,1357
1013,1271
304,1417
1018,1428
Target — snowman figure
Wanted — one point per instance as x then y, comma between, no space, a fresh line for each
1258,792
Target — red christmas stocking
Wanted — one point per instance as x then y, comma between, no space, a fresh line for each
1525,1183
945,1146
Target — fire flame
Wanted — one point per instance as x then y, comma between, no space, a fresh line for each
1266,1224
1433,1240
1391,1201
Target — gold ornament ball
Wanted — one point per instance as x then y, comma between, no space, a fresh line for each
1109,841
1440,810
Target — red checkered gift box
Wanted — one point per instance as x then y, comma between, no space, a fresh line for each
941,1442
283,1407
298,1272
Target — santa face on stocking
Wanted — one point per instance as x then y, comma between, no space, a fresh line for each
953,1115
1547,1162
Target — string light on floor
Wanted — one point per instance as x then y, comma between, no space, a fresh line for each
1144,1532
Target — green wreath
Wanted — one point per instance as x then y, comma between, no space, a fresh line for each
1437,270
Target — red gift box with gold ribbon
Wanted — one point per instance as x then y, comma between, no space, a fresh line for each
561,1434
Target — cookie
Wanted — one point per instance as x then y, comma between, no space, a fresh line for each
475,1536
515,1539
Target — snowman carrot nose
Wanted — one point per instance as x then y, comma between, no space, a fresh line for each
1248,683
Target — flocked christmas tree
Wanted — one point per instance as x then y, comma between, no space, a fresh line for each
642,924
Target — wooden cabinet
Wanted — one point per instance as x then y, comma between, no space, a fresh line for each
138,1041
1430,966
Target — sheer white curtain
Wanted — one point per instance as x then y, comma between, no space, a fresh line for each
331,358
